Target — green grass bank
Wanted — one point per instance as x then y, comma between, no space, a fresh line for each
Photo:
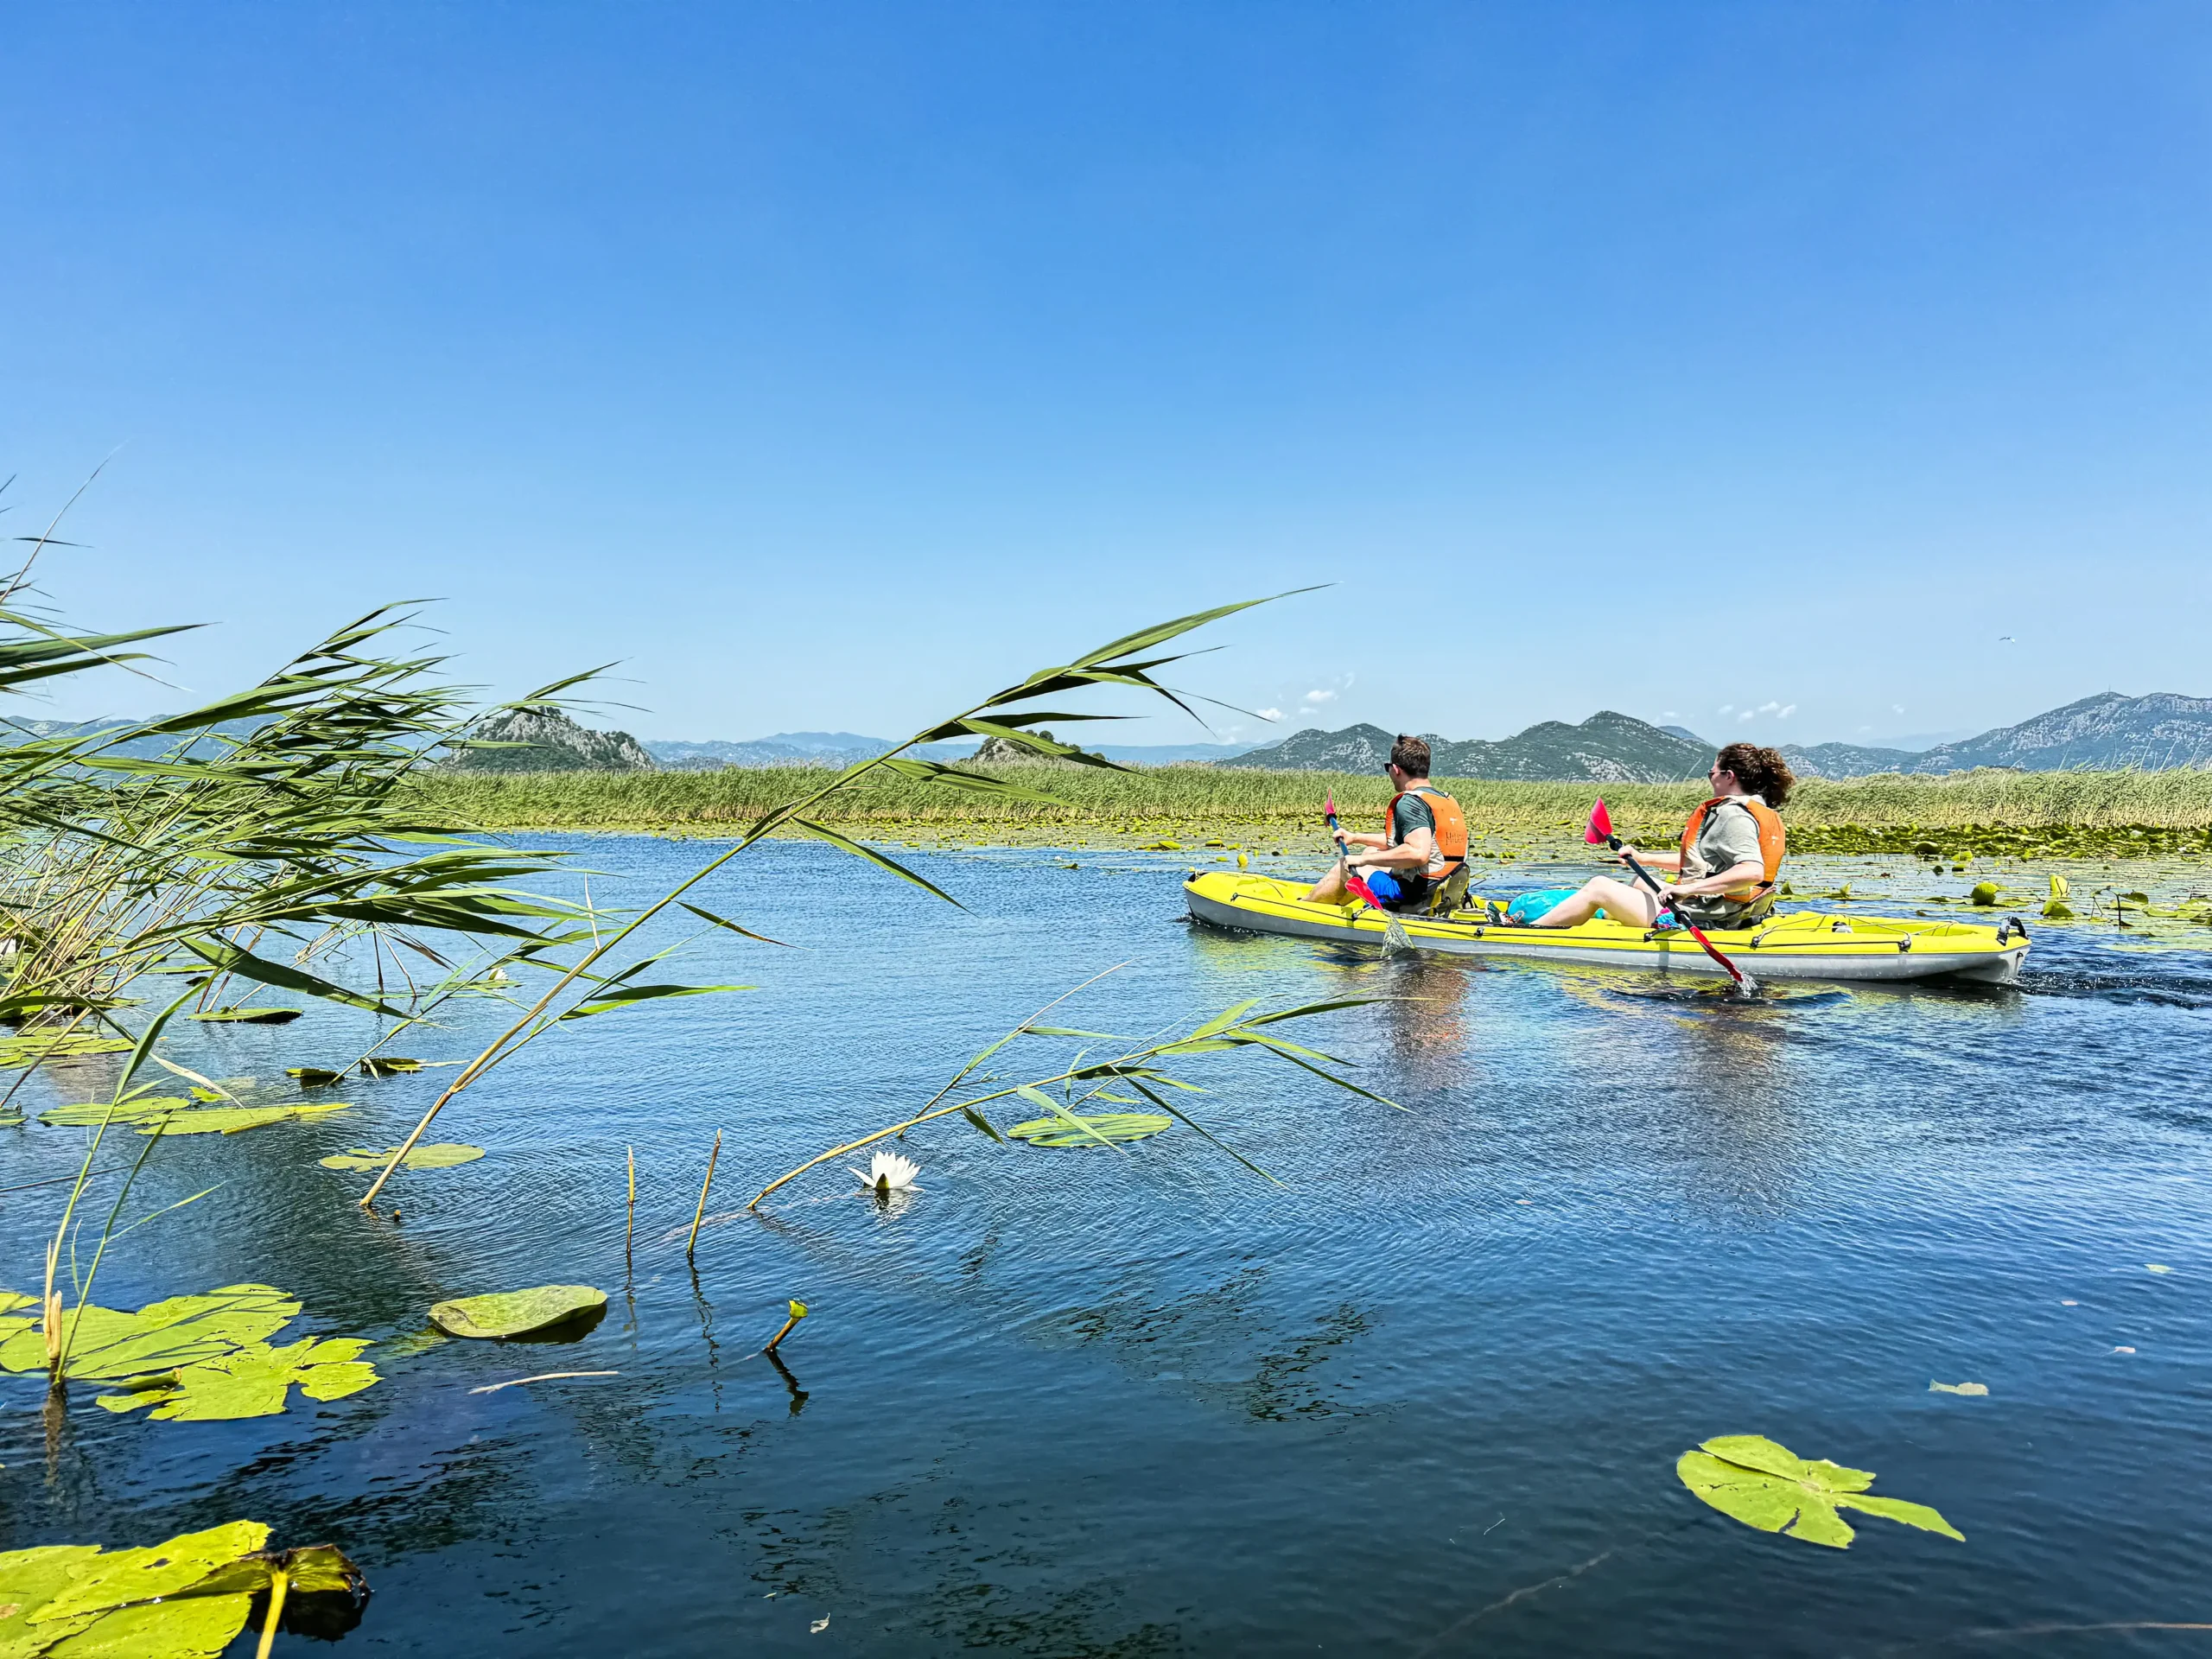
2072,814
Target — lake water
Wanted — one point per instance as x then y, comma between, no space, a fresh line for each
1424,1398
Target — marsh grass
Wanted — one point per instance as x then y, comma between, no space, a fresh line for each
2173,809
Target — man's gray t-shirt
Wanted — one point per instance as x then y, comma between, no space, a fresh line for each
1729,837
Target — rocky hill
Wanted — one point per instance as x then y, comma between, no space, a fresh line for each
555,743
2107,733
1607,748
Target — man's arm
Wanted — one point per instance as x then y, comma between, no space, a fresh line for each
1411,853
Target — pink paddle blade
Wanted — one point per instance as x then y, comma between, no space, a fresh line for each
1329,805
1601,826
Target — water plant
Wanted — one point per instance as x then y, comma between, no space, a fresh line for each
183,1598
1750,1479
516,1312
1137,1068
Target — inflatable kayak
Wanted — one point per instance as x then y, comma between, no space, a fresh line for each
1804,945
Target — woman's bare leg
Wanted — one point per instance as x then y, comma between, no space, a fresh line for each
1636,906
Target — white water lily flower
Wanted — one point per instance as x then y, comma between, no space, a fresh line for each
888,1173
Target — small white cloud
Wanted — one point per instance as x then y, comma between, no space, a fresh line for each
1318,697
1896,708
1788,709
1726,708
1349,678
1748,714
1668,714
1268,714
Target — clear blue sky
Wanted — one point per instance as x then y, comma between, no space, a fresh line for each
830,361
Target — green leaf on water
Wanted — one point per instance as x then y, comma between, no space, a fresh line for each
172,1116
252,1016
440,1154
30,1050
105,1345
979,1121
1112,1126
388,1065
516,1312
1753,1480
313,1077
186,1599
95,1113
251,1382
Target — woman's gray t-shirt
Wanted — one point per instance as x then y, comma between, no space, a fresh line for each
1729,837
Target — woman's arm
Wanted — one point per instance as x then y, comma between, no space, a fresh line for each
1749,873
1669,861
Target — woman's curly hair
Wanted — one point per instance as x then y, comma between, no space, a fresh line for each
1761,771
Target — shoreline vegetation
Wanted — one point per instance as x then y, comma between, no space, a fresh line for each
2068,814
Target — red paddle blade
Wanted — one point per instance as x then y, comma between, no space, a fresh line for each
1601,826
1361,892
1329,805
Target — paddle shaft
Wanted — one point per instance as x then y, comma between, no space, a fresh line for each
1667,899
1353,884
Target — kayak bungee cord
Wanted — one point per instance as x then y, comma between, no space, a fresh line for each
1600,833
1394,937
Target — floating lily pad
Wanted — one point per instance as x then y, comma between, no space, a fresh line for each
252,1016
1750,1479
168,1115
1114,1126
30,1049
439,1154
251,1382
106,1345
313,1077
93,1114
388,1066
186,1599
516,1312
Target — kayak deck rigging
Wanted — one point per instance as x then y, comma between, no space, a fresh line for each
1803,944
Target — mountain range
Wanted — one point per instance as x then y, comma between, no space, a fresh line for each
2105,733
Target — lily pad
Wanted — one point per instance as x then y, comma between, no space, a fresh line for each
516,1312
251,1382
1753,1480
388,1065
105,1345
30,1050
1114,1126
252,1016
439,1154
186,1598
313,1077
168,1115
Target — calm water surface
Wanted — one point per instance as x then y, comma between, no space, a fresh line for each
1426,1398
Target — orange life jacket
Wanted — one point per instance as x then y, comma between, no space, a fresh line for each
1450,827
1771,840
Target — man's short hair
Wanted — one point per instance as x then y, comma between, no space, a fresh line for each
1410,755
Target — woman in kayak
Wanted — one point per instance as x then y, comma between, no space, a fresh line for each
1729,859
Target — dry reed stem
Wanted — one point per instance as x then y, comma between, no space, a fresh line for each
698,1215
630,1233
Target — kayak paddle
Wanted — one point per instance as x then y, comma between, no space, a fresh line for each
1394,937
1600,833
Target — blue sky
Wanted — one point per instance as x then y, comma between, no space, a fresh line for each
830,363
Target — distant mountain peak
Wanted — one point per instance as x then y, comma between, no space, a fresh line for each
1608,747
554,743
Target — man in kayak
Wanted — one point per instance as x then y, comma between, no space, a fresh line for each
1729,859
1423,846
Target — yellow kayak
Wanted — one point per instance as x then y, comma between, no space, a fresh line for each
1805,944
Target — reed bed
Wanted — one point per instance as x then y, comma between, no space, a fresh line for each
2173,810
